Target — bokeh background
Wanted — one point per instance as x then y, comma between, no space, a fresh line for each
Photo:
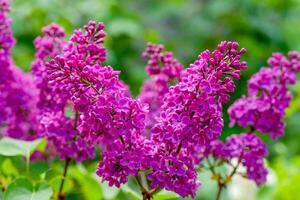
185,27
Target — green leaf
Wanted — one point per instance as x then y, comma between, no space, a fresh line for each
42,145
126,189
23,189
14,147
109,192
88,184
8,168
164,195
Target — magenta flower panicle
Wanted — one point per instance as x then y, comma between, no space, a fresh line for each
191,113
250,151
17,103
164,70
105,110
47,47
191,117
60,129
263,108
246,150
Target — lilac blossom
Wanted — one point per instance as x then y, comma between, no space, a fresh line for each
7,41
171,160
250,151
60,131
18,103
59,128
21,106
191,112
106,112
125,157
48,47
95,90
191,116
50,103
164,70
263,109
246,149
174,171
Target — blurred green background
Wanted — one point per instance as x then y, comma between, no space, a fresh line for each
185,27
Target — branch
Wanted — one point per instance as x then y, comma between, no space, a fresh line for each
235,168
91,85
220,188
179,147
61,196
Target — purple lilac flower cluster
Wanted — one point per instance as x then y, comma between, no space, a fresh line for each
193,106
191,116
171,161
54,124
20,106
164,70
17,103
55,100
7,40
250,151
263,111
105,111
6,43
95,90
106,114
127,156
48,47
247,149
268,96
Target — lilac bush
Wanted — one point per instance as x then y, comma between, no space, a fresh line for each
165,135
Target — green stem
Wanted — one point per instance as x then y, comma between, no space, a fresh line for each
211,167
2,186
235,169
179,147
89,84
143,189
155,191
220,188
61,187
76,120
144,180
28,163
221,182
146,194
